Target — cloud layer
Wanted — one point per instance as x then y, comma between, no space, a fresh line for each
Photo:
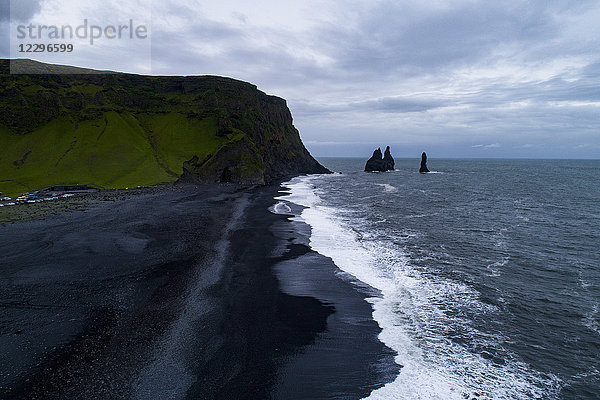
457,78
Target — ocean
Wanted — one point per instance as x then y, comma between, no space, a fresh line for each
486,272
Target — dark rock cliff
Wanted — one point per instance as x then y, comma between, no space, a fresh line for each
235,132
271,149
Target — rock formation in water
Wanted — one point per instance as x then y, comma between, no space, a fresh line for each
423,168
388,160
375,163
379,162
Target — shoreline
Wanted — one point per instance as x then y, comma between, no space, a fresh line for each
347,360
181,292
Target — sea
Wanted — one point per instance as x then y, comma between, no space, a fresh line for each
486,272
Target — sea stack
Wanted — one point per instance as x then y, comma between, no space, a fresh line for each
380,162
423,168
388,160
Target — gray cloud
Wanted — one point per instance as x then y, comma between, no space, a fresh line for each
487,146
406,63
21,10
383,43
398,105
392,105
4,10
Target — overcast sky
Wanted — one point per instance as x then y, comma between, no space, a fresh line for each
462,78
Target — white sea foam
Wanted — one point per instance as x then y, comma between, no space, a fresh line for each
495,268
591,320
388,188
280,208
417,215
415,312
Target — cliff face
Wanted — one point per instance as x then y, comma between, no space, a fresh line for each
119,130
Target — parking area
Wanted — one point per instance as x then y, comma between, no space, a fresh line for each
52,193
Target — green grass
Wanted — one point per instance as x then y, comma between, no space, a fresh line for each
86,89
177,138
116,151
33,89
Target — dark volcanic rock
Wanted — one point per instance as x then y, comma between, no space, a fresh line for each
423,168
388,160
380,163
375,163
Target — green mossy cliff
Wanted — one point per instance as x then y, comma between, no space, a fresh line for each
120,130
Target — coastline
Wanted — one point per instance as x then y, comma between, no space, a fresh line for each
347,360
103,303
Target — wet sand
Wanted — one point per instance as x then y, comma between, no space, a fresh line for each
187,292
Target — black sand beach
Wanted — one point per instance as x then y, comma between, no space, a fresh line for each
192,292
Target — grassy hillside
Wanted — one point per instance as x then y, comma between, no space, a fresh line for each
114,151
119,130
